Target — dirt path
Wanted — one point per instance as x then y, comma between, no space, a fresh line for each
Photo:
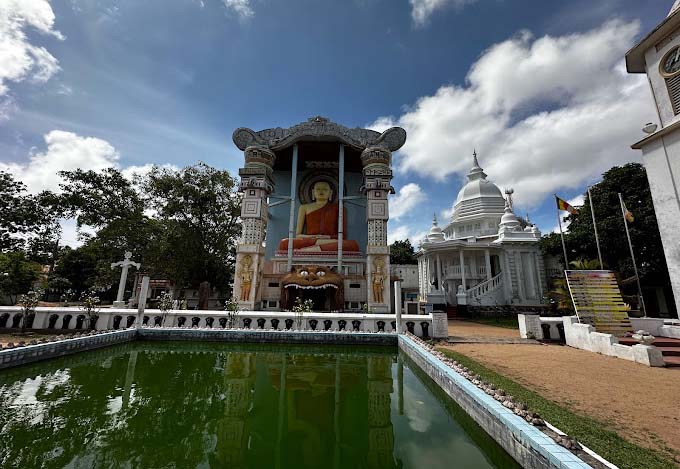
636,401
473,330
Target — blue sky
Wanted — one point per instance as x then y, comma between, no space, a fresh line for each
538,88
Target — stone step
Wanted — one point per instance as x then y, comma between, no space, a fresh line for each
670,351
658,342
672,362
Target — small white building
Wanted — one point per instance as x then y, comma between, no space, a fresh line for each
486,255
658,55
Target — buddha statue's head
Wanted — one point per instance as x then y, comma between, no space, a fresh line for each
321,191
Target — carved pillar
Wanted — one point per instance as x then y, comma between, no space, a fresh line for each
256,184
377,176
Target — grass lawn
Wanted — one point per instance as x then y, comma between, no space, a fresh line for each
508,322
586,430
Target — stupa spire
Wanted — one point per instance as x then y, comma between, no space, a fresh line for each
476,172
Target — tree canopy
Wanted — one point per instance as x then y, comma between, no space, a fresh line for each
401,252
180,224
631,181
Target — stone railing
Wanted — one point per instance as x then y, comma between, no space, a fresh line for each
118,318
484,288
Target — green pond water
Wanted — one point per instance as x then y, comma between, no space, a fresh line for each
184,405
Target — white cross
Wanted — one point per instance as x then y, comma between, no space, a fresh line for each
125,264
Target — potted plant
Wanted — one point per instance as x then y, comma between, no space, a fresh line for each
90,306
299,309
165,302
28,303
232,309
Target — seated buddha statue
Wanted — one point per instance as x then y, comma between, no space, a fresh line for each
317,224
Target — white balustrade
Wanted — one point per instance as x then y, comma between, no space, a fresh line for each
485,287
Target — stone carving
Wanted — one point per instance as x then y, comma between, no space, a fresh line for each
246,276
316,127
378,280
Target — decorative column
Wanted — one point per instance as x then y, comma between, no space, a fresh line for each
376,185
256,184
439,274
462,269
487,263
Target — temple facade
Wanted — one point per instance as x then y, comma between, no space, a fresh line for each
485,256
315,213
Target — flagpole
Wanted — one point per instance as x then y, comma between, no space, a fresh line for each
564,247
597,239
632,256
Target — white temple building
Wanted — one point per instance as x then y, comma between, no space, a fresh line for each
486,255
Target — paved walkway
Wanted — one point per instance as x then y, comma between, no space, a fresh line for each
639,402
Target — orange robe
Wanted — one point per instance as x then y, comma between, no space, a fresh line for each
323,221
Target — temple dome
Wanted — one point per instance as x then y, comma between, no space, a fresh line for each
436,234
479,195
509,218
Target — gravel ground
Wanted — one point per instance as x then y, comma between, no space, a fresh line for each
473,329
638,402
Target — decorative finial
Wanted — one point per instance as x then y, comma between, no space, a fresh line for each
434,219
509,193
474,157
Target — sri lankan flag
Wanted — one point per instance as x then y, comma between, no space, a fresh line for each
564,205
627,213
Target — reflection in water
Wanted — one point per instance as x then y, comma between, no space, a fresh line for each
216,405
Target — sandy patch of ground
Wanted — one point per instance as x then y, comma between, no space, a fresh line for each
472,329
633,399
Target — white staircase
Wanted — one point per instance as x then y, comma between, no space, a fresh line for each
487,293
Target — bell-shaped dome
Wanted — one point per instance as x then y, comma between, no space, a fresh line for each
509,219
436,234
478,195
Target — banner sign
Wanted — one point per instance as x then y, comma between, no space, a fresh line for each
597,300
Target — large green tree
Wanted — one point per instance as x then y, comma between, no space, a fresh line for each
17,274
110,205
26,220
198,208
631,181
401,252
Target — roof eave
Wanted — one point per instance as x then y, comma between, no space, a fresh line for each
635,57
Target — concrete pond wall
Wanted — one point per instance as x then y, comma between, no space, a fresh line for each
72,318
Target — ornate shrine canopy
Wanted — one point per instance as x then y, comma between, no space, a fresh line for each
319,129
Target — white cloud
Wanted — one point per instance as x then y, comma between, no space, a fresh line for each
422,9
242,8
402,232
131,171
543,114
19,59
408,198
65,151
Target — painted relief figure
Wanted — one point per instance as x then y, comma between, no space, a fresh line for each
246,275
378,280
317,224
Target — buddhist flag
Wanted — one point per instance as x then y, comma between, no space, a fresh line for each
564,205
627,213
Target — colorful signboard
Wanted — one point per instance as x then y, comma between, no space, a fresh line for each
597,300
